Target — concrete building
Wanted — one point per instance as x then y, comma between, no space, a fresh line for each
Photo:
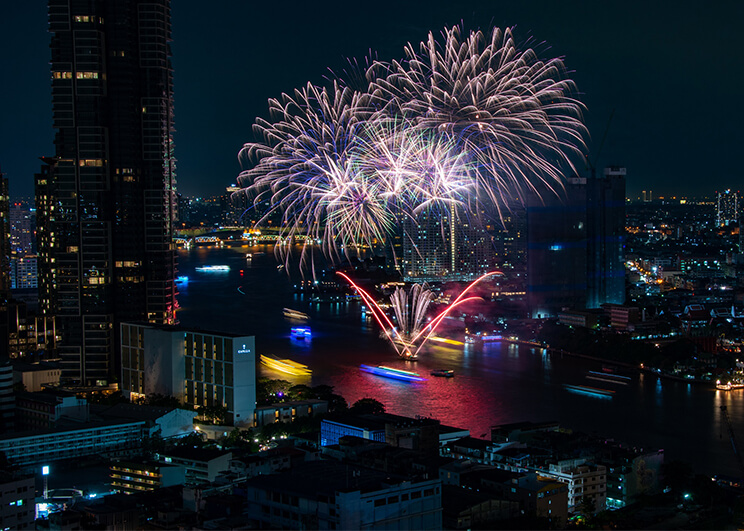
45,409
23,274
134,476
166,422
584,480
425,436
30,450
17,501
288,411
34,376
7,398
201,464
349,497
25,332
197,367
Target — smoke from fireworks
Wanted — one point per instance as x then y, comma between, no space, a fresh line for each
462,124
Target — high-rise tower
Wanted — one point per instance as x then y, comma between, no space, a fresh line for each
605,226
4,238
727,208
106,250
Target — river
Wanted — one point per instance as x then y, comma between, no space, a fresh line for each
495,383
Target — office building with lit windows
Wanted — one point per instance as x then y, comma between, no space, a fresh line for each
202,369
727,208
4,238
105,201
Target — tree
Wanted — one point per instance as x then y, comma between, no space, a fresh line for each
215,414
336,403
270,391
367,406
156,399
300,392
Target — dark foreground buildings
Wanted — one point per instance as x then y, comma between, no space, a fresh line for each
105,201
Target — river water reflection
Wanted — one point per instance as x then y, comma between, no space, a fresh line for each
495,383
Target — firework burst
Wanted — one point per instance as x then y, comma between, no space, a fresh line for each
510,111
466,124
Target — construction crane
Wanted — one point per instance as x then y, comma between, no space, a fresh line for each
725,415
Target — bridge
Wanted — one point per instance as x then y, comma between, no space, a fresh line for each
235,236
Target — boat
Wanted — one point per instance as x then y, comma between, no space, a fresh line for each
608,377
286,366
301,332
446,373
213,268
446,340
729,386
594,391
396,374
294,314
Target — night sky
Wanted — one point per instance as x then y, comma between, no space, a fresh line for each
672,72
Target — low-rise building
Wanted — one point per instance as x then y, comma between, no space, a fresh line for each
288,411
349,497
137,476
201,464
34,376
586,481
423,435
30,450
44,409
17,497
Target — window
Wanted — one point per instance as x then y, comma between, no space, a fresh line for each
86,75
392,499
379,502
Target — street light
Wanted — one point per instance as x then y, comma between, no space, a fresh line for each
45,473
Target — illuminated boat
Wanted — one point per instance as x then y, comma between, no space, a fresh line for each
592,391
213,269
728,386
446,373
608,377
301,332
286,366
294,314
446,340
396,374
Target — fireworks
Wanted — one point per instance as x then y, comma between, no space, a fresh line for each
410,312
466,124
410,308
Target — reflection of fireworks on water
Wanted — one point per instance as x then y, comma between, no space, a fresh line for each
419,299
468,122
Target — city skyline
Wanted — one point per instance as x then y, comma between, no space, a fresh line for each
642,86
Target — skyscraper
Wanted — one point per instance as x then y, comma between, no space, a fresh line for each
556,250
605,226
4,238
106,252
727,208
